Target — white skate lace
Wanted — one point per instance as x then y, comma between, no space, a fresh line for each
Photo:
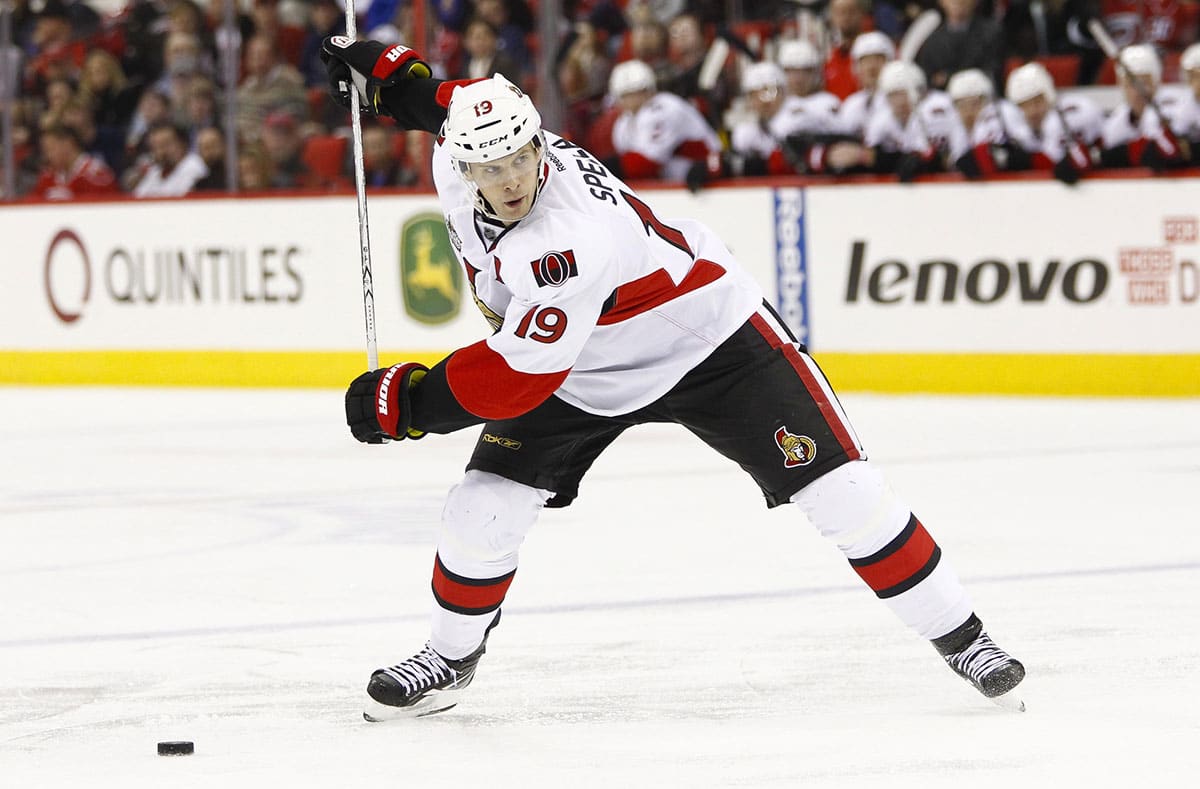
424,670
979,659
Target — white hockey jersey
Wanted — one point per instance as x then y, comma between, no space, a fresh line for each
666,129
809,115
591,285
992,126
1178,103
929,127
1121,128
1084,123
856,111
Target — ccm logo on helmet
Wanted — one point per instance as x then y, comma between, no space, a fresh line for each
490,143
384,384
555,268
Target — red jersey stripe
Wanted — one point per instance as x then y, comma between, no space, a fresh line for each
648,292
483,383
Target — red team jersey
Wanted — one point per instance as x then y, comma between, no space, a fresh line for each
89,175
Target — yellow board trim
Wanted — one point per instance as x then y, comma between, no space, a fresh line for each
1106,375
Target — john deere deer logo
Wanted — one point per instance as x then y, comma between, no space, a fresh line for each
797,450
430,278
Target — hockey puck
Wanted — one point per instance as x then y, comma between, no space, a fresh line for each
176,748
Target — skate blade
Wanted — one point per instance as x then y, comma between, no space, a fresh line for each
430,705
1009,701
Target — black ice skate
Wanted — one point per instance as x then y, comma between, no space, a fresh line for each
976,658
425,684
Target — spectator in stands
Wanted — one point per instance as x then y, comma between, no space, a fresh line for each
111,99
325,19
481,43
210,147
284,145
57,53
869,53
512,20
963,40
1135,134
658,135
846,21
380,165
200,107
182,63
1058,134
68,171
583,69
648,43
686,50
801,64
59,93
153,108
1036,28
269,86
1163,24
254,168
174,170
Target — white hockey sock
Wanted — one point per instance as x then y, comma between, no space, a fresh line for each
887,546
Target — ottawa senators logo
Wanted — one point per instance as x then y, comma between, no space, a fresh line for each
554,268
797,450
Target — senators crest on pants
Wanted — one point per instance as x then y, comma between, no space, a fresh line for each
797,450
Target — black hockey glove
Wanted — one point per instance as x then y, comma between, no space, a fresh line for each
1066,171
370,66
377,403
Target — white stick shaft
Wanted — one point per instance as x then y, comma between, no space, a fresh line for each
360,187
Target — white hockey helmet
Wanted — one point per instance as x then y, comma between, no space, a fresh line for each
968,84
1142,60
630,77
1190,60
900,75
486,121
798,53
1028,82
872,43
762,75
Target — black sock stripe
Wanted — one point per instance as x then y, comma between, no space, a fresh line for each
896,544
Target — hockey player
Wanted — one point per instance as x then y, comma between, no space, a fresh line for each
801,64
1136,134
869,53
982,126
1053,133
1181,103
910,133
774,116
607,315
658,135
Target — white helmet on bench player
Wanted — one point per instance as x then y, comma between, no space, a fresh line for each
486,121
1028,82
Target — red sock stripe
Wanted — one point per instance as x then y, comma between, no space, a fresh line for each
468,595
902,563
832,417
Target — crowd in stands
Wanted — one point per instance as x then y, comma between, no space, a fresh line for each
131,98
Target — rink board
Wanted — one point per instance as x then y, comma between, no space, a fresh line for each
1026,287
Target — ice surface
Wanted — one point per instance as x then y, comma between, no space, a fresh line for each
228,567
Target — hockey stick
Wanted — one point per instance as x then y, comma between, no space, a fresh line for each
360,187
918,32
1113,53
1096,28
